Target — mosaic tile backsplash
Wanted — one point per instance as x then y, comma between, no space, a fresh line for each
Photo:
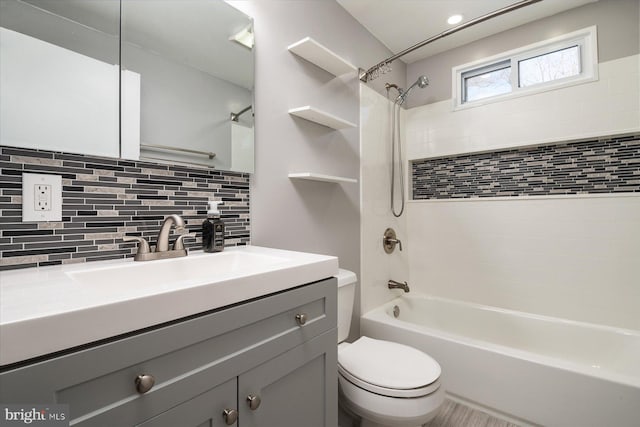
104,199
610,165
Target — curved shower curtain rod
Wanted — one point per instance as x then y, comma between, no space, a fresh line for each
374,71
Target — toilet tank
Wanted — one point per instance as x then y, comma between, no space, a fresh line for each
346,297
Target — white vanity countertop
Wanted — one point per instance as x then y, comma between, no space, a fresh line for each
47,309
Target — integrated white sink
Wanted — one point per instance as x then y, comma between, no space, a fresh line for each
201,268
48,309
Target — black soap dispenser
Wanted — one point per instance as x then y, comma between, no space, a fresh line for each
213,229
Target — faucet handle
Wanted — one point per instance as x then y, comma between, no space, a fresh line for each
178,245
143,245
389,240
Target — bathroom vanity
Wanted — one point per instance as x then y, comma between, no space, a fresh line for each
265,360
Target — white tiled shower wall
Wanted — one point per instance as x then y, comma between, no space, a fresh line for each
608,106
573,257
375,186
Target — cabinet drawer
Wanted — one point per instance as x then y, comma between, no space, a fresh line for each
186,358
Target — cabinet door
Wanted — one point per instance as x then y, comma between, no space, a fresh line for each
297,388
206,409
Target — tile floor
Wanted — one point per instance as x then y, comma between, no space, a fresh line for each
454,414
451,414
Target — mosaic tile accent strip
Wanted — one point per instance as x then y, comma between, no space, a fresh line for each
610,165
103,199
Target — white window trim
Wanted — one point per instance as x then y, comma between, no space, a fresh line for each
586,38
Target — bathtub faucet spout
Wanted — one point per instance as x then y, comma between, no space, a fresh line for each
397,285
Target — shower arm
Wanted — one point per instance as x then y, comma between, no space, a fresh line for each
235,116
365,76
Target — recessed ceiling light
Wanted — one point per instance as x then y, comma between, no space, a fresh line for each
454,19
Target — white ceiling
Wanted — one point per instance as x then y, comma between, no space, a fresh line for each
399,24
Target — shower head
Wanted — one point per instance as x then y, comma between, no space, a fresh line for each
422,82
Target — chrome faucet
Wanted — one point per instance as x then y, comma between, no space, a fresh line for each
397,285
161,250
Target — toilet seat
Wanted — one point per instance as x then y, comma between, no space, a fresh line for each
388,368
389,392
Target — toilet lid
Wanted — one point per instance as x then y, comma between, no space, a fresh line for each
387,364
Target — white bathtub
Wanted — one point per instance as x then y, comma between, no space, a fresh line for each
538,369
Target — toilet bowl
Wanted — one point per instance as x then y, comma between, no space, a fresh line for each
382,382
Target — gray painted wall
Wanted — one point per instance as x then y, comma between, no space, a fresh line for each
618,23
308,216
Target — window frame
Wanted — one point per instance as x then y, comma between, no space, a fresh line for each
585,38
475,72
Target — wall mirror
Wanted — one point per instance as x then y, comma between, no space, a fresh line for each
59,75
185,69
186,73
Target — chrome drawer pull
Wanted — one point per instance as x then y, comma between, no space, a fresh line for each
301,318
144,383
230,416
253,401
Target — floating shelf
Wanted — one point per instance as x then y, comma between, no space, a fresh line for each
321,117
322,178
314,52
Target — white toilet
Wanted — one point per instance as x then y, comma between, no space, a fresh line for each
382,382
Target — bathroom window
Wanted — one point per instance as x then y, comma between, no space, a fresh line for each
556,65
559,62
485,82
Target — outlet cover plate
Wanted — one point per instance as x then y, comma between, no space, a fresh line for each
29,183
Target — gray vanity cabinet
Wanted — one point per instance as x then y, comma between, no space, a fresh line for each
279,349
206,409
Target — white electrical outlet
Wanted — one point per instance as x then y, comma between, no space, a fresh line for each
41,197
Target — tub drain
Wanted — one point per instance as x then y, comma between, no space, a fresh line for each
396,311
